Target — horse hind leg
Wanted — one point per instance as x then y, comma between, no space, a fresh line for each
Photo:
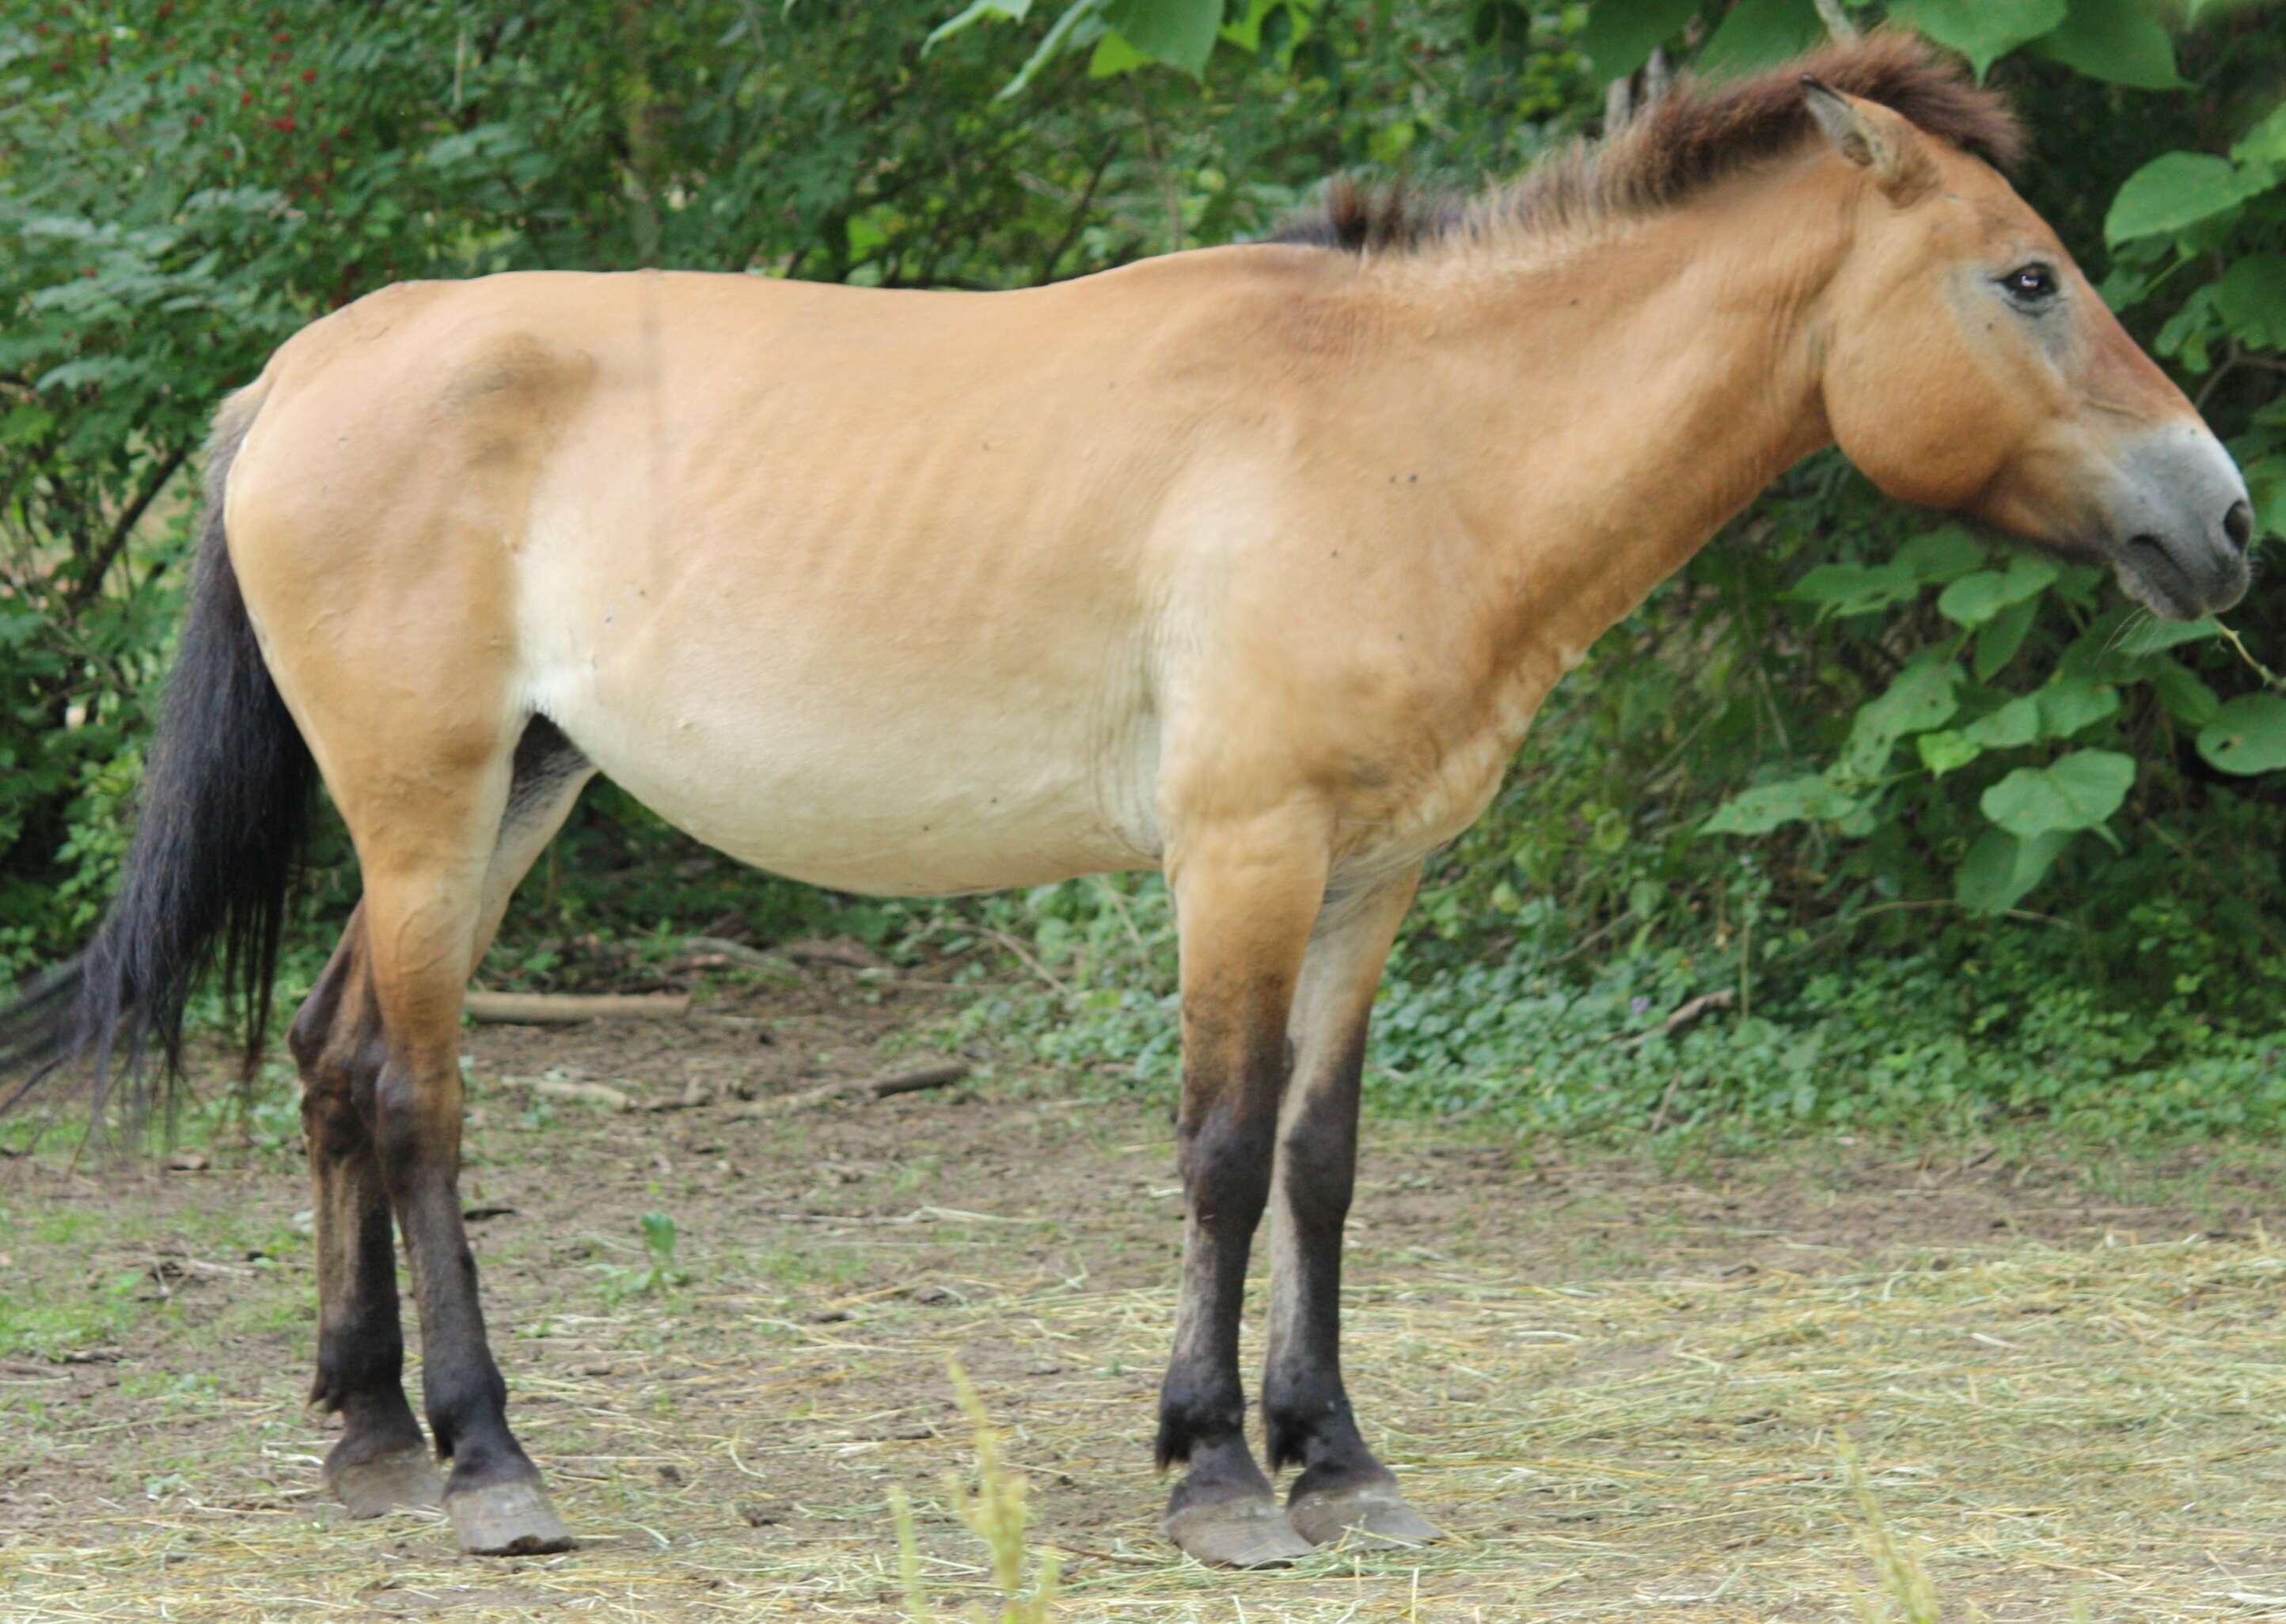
381,1462
379,1046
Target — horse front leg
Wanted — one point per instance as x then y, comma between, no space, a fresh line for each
1244,900
1343,1492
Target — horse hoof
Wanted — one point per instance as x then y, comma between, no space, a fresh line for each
402,1479
1250,1532
1372,1515
507,1520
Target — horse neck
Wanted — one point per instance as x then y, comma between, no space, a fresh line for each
1629,392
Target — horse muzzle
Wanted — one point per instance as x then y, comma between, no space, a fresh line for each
2178,526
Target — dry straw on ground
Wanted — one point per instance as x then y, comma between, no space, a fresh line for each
1628,1394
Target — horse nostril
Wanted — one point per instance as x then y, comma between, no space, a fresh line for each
2238,524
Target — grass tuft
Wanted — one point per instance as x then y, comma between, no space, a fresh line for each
992,1509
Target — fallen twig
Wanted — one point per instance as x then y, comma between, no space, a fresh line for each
1685,1016
846,954
862,1088
737,952
589,1094
554,1008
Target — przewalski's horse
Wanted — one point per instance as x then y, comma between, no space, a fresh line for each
1250,564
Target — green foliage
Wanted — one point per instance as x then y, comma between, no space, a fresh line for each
1981,30
658,1272
1964,837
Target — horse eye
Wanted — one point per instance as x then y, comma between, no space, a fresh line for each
2030,283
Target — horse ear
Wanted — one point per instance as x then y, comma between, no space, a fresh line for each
1874,138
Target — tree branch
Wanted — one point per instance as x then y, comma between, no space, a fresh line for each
1078,215
91,581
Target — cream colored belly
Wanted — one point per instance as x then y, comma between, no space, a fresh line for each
841,767
891,813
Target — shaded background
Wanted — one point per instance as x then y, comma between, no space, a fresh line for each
1962,838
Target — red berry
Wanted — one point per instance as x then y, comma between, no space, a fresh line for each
282,123
246,99
309,75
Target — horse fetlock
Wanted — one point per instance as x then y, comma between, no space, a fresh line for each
1202,1414
1223,1470
1315,1431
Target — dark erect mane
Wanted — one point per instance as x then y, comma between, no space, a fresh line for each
1683,143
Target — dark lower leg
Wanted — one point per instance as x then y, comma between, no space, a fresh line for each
381,1459
360,1345
461,1389
1225,1165
493,1492
1223,1510
1306,1413
1343,1493
1245,898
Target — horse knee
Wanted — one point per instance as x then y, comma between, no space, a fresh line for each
1225,1164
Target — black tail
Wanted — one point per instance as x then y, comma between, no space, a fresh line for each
225,801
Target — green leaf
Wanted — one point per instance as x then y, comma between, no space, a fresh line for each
1246,32
2185,694
1999,638
1759,32
2123,41
1981,30
2251,297
1944,752
1179,33
2071,703
1760,810
2115,643
1622,35
2175,190
2075,792
2266,483
2016,722
1115,56
1940,555
1011,11
2248,736
1975,599
2154,635
1856,589
25,424
1051,46
2001,868
2265,142
1921,698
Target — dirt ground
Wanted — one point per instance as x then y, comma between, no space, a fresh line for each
1630,1387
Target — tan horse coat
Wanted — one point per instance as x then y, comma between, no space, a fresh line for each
1252,564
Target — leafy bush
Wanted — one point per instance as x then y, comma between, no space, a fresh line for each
1962,838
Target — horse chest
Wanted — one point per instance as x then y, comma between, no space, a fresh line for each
1450,773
